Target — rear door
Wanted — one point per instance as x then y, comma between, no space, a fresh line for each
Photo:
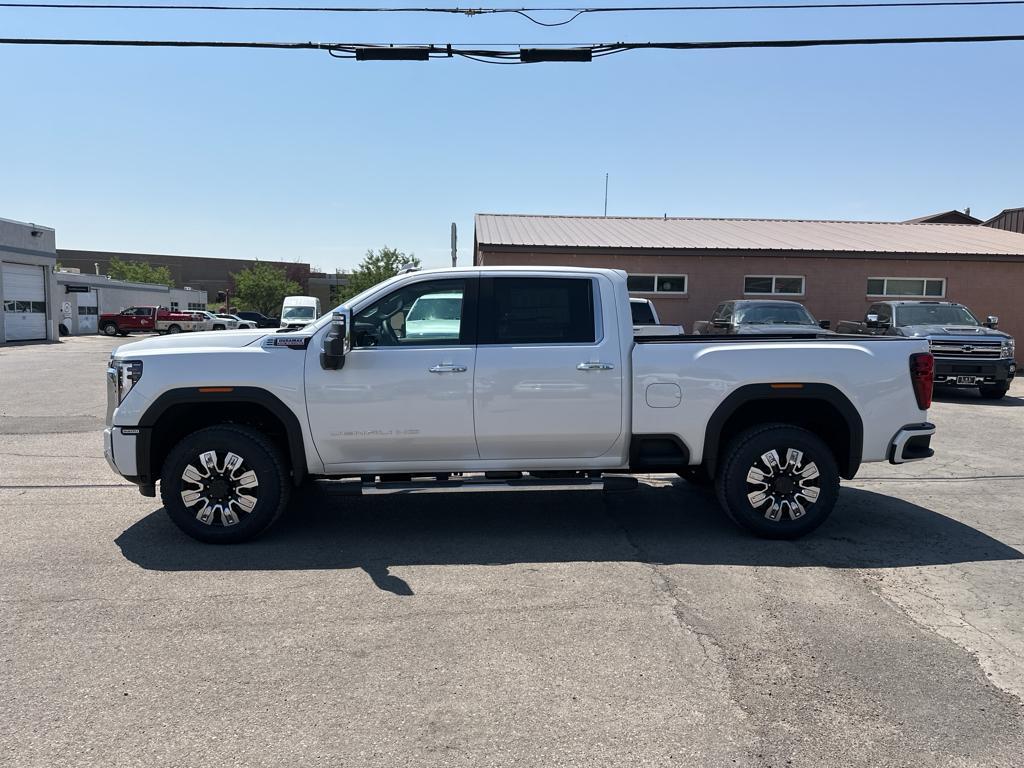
548,382
87,312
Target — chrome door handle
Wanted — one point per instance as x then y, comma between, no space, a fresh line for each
594,367
447,369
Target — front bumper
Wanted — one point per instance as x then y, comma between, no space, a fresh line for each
948,370
126,449
912,443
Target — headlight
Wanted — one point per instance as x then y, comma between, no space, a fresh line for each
1007,349
123,374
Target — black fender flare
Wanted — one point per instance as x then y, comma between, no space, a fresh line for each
790,391
188,395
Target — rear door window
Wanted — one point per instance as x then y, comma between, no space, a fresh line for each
537,310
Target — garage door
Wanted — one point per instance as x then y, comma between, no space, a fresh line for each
87,309
24,302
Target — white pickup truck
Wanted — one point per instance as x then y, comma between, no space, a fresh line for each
541,380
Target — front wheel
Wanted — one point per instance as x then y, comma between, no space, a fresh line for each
993,391
225,484
778,481
109,329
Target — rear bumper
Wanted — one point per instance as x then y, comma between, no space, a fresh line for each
912,443
947,369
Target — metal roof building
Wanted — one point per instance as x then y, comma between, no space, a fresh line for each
837,268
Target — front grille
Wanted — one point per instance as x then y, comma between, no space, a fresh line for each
975,350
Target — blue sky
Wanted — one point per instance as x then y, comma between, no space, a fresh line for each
298,156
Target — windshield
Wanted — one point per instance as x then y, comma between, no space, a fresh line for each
436,308
774,314
934,314
298,313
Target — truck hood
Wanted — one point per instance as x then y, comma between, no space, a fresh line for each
972,331
199,340
752,329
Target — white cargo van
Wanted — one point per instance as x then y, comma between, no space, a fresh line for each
299,311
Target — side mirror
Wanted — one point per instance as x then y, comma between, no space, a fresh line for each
332,354
825,324
992,321
721,323
871,320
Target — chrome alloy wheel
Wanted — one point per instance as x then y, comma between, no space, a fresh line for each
217,492
777,488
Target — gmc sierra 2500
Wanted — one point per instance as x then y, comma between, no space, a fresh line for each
541,374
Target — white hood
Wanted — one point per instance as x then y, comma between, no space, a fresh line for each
193,341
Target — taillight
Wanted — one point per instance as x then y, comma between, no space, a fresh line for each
922,376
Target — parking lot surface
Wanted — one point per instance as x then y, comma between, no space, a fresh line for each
505,627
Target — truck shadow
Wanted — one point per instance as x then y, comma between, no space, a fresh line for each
676,524
964,395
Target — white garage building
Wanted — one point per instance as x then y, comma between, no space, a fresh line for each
28,255
83,298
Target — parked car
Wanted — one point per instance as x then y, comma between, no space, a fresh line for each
146,319
215,323
203,322
238,322
762,316
548,381
968,353
299,311
261,320
646,321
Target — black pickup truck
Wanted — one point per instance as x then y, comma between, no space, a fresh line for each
967,353
761,316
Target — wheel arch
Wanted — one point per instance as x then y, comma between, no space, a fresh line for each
179,412
820,408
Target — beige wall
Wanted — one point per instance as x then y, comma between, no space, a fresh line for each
835,288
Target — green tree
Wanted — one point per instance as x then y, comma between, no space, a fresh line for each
139,272
376,267
262,288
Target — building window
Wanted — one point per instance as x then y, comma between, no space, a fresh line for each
174,306
656,283
83,310
934,287
778,285
196,306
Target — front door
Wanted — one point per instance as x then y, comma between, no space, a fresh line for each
87,309
405,393
548,373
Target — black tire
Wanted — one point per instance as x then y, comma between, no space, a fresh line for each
994,391
258,455
697,476
796,514
174,328
63,330
219,328
109,329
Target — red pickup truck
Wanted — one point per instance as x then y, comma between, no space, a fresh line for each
147,319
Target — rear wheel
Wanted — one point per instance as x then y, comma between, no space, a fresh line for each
778,481
994,391
174,329
225,484
109,329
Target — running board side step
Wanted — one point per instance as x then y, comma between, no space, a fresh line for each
370,487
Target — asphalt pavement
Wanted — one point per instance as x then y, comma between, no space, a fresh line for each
499,628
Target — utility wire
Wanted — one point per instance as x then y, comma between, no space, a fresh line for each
491,56
525,12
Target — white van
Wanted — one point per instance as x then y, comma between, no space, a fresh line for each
299,311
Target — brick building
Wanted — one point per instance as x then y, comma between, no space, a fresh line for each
836,268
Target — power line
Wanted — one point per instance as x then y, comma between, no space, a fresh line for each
525,12
367,51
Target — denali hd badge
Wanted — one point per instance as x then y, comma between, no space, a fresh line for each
292,342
